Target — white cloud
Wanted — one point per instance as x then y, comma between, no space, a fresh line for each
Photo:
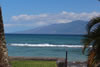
47,19
63,21
8,25
25,21
25,17
56,17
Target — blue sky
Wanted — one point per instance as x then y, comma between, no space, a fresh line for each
21,15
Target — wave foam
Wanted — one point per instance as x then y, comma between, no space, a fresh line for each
47,45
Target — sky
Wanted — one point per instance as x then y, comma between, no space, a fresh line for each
20,15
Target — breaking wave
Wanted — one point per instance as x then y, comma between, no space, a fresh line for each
45,45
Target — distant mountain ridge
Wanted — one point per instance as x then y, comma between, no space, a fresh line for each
74,27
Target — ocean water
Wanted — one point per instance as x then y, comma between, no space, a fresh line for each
46,46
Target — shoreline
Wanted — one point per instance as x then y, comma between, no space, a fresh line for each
35,58
70,64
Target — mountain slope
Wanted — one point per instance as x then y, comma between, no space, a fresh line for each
75,27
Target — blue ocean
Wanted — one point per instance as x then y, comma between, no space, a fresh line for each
36,45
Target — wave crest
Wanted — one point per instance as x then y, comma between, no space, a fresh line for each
46,45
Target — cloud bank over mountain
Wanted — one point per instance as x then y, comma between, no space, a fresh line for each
33,21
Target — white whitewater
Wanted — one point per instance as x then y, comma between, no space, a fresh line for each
46,45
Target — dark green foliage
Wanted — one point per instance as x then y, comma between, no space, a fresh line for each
93,38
